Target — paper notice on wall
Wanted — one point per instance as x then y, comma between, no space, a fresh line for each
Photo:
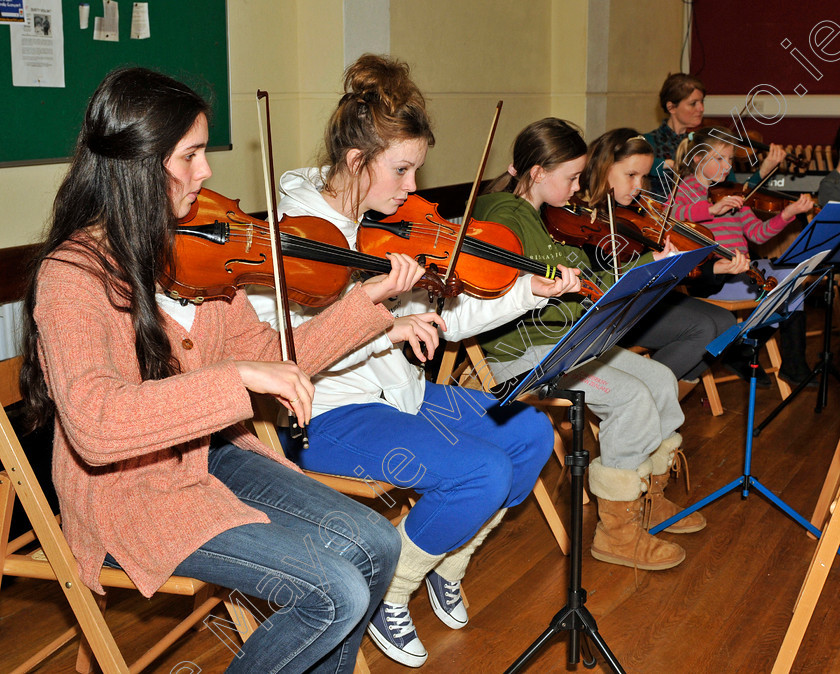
38,46
140,21
107,26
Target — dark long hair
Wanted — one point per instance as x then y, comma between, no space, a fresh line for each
117,183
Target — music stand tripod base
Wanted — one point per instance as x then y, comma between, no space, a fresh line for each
574,618
746,481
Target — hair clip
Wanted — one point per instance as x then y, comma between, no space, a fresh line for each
691,136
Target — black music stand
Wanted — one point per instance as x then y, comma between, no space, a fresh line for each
762,316
823,232
601,327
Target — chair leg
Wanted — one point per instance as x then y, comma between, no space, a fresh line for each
776,363
832,482
7,502
712,396
549,511
84,658
810,594
361,664
199,598
46,651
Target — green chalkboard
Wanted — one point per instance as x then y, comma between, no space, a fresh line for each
188,42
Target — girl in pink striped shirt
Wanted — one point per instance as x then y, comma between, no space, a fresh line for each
703,159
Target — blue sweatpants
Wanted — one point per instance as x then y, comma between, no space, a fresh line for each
465,455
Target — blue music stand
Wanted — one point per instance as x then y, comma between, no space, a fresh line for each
763,315
597,330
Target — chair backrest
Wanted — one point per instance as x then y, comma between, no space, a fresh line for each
9,388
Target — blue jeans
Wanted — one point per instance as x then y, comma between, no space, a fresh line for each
323,563
464,454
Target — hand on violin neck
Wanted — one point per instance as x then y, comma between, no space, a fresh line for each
420,331
726,204
802,205
739,264
668,249
405,272
284,380
566,281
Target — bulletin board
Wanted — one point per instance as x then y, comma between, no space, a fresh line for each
188,42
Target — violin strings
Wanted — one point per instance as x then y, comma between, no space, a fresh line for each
299,246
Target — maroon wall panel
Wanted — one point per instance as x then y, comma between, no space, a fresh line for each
737,46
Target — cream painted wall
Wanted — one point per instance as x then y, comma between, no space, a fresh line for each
645,42
483,51
465,56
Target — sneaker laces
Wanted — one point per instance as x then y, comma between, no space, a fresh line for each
398,620
452,591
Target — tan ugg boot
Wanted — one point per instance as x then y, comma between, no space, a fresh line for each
620,537
659,507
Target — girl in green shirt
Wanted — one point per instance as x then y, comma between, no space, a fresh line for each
634,397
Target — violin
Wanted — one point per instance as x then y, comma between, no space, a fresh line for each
765,203
576,224
219,248
689,236
417,229
481,241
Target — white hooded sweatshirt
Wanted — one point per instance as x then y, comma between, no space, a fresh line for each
378,372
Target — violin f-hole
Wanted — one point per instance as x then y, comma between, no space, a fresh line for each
236,260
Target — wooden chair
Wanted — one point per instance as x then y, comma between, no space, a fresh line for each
473,367
817,573
710,381
54,561
829,488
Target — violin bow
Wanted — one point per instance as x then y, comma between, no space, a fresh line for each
612,234
287,342
456,249
672,200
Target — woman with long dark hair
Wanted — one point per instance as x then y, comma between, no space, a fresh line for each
154,472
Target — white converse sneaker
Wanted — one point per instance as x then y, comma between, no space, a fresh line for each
446,600
392,629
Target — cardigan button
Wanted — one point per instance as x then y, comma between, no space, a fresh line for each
187,344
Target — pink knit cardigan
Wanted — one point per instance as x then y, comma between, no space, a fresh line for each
130,456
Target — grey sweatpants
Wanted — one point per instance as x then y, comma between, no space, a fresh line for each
634,397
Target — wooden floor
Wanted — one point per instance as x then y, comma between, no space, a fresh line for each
725,609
